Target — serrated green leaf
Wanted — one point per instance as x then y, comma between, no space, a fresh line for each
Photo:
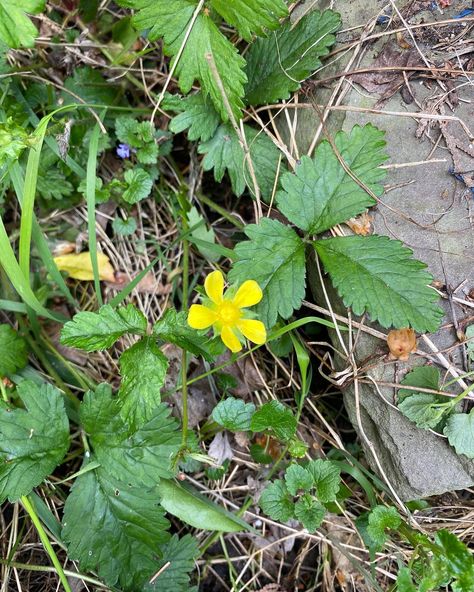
92,331
277,65
33,441
133,453
143,369
200,231
378,275
198,117
275,258
310,513
139,184
13,351
173,328
276,417
189,505
224,152
459,430
425,410
321,194
326,478
13,140
382,518
180,553
16,29
133,132
171,21
421,376
276,502
251,16
298,478
234,414
113,528
457,555
124,227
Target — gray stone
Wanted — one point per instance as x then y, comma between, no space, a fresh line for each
426,208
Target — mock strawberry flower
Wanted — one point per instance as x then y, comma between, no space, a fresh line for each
225,312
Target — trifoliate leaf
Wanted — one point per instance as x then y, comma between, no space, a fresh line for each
298,478
124,227
460,432
277,65
251,16
379,276
33,441
321,194
132,453
233,414
16,29
200,231
92,331
276,417
198,117
276,501
310,513
326,478
275,258
78,266
114,528
171,20
139,184
424,409
13,351
143,369
180,553
224,152
173,328
382,518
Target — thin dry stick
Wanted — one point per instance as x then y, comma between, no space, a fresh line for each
177,58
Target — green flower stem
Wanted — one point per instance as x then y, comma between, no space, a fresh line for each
460,397
45,541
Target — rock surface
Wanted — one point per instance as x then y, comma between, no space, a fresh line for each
427,208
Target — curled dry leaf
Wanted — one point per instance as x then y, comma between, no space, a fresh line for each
361,224
79,266
63,248
147,285
401,343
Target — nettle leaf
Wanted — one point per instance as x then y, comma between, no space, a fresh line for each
382,518
114,528
180,553
198,117
173,328
379,275
251,16
233,414
277,65
298,478
13,351
326,477
135,453
310,513
138,185
143,369
276,417
92,331
224,152
171,21
275,258
459,430
33,441
16,29
276,501
321,194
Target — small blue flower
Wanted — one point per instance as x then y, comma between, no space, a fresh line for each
123,151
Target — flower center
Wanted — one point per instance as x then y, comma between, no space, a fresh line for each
228,313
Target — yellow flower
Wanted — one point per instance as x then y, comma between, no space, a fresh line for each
225,312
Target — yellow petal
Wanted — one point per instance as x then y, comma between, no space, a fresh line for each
248,294
253,330
214,286
230,340
79,266
200,317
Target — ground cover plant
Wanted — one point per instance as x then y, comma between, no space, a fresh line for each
163,425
